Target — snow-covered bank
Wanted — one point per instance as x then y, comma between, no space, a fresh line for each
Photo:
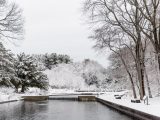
8,94
11,97
153,107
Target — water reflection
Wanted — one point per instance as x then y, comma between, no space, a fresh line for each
58,110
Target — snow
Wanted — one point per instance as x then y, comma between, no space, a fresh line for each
60,91
8,94
152,108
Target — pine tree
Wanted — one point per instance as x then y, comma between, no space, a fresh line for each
51,60
64,59
6,66
48,61
29,74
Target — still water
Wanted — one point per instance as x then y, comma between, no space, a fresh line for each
58,110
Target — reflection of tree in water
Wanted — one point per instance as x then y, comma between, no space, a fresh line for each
31,109
22,110
8,110
58,110
3,117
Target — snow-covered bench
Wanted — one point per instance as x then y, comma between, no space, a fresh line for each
118,96
136,101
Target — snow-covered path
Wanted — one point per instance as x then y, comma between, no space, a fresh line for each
153,107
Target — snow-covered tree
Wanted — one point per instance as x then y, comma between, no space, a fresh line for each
50,60
53,59
39,59
93,72
6,66
91,79
27,71
77,75
63,59
117,72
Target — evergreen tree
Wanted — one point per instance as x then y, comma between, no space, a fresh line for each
60,59
48,61
6,66
39,59
66,59
27,71
53,59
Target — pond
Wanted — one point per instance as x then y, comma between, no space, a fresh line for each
58,110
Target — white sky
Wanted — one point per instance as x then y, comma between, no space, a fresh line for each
56,26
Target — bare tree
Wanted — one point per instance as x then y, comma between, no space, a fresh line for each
150,9
126,16
113,39
11,21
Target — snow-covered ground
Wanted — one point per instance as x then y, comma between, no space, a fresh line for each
8,94
60,91
153,107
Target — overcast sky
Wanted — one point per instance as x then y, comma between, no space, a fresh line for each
56,26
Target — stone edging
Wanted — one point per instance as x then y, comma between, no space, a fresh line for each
8,101
129,111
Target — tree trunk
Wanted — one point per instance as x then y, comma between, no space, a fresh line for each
140,68
23,88
157,67
133,88
130,77
159,61
148,85
141,82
